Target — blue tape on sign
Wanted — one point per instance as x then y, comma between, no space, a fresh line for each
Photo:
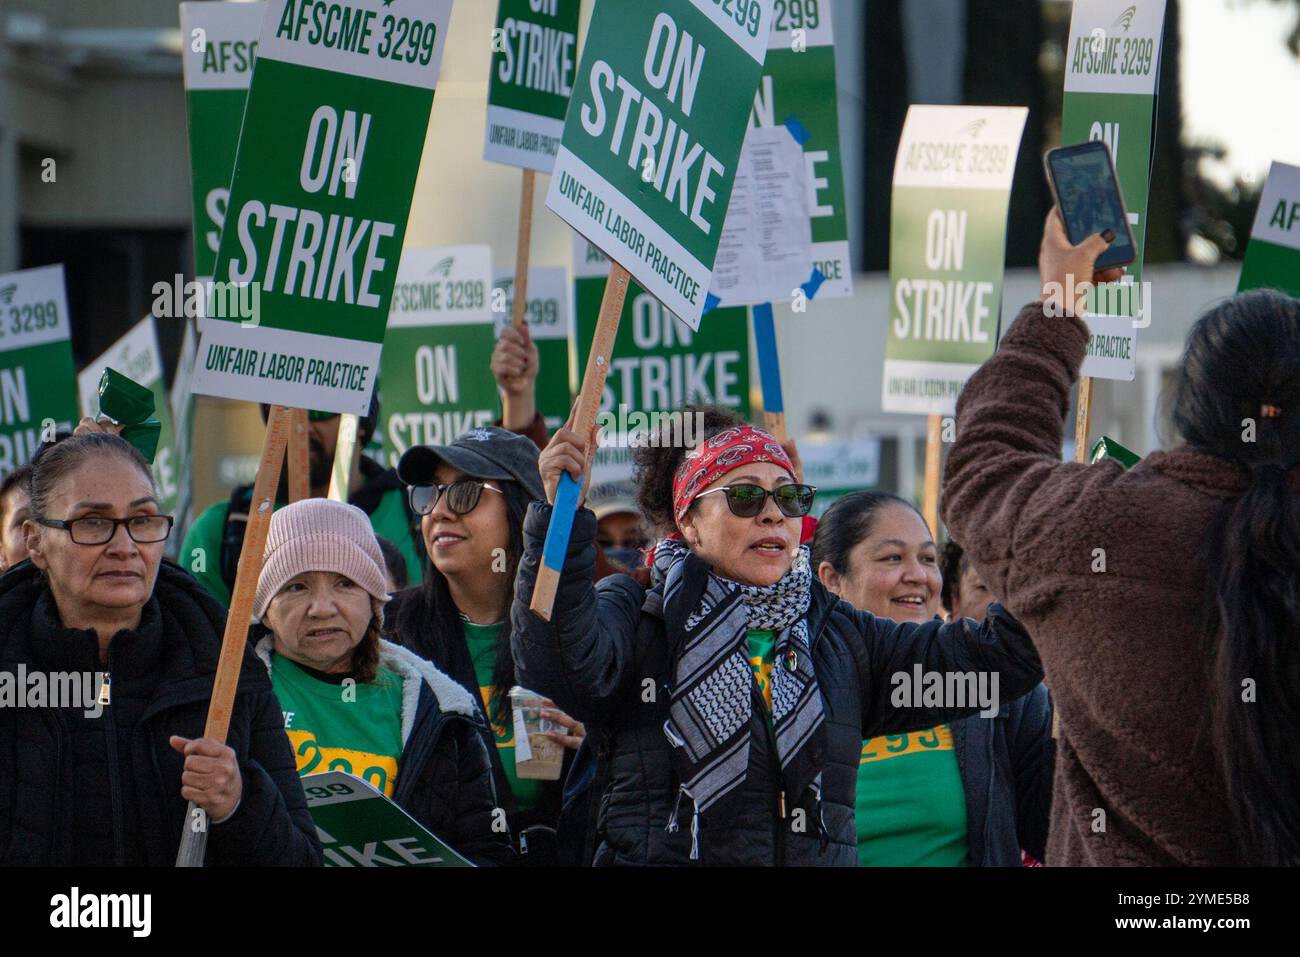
769,368
797,130
710,302
814,283
557,535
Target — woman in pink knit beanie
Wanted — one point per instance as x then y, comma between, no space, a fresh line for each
353,702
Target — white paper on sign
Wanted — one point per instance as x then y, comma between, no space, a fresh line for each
766,249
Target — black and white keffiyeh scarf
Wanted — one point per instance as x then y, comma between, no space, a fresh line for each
708,620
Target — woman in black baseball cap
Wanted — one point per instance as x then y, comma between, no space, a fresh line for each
471,496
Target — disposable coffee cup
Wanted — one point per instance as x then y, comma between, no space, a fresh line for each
537,756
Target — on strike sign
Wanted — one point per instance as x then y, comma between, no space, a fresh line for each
327,160
650,145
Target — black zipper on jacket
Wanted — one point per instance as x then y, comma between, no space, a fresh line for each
114,777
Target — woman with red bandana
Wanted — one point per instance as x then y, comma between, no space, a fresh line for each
728,703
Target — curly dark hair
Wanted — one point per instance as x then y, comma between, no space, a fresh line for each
655,464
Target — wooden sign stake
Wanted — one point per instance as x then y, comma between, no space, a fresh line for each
194,837
1082,419
518,314
584,422
933,468
299,457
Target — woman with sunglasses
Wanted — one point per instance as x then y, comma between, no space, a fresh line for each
472,495
99,770
729,702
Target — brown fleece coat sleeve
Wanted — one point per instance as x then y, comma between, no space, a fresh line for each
1006,492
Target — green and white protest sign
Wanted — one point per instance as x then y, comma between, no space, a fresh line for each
328,156
437,379
659,364
136,356
548,316
839,467
219,42
38,385
947,250
1273,256
1112,69
650,145
359,827
798,91
534,56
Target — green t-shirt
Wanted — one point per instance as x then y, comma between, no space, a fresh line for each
355,728
388,520
911,809
482,641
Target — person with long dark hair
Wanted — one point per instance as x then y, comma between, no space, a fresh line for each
472,495
970,792
730,701
1165,600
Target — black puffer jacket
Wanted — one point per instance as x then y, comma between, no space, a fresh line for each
77,790
444,779
606,659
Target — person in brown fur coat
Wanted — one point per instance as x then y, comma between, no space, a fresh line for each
1164,600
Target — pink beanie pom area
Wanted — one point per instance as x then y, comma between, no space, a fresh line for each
320,535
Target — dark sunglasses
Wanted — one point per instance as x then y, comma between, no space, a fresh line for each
462,496
746,501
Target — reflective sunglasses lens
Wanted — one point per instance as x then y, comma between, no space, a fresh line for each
462,496
746,501
423,498
789,499
801,499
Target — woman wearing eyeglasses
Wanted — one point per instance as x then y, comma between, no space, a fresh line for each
730,701
97,768
472,495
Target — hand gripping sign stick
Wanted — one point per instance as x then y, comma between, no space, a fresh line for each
769,371
346,449
299,457
584,423
194,836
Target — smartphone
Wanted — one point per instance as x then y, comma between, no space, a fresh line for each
1086,189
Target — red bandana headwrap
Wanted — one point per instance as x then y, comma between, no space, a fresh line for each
718,455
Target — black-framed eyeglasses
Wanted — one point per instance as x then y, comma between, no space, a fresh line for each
97,530
746,500
462,496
